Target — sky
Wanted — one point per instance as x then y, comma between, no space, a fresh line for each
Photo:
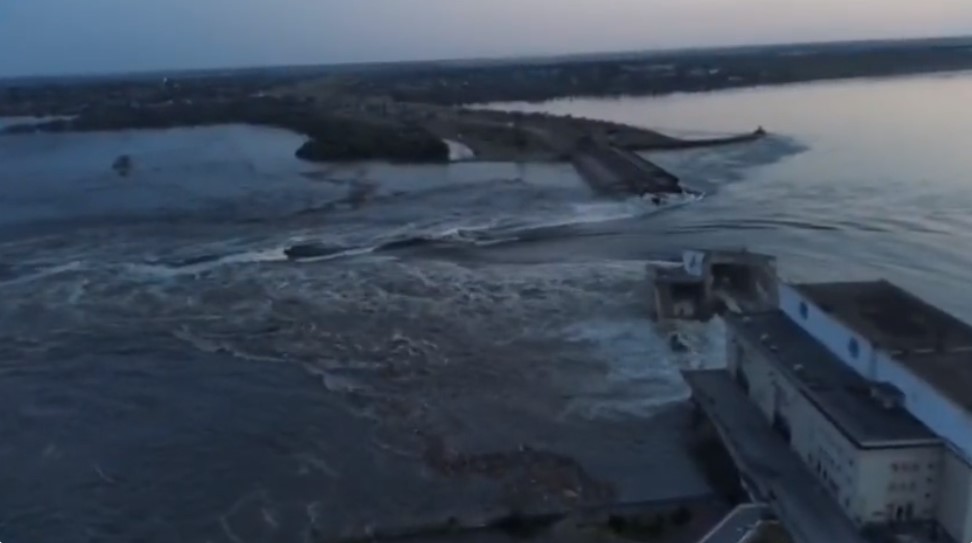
41,37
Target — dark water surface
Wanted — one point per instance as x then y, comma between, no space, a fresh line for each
466,339
167,373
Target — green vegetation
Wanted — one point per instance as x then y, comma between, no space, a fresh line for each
660,72
332,138
361,141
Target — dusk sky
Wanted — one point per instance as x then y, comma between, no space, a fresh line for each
84,36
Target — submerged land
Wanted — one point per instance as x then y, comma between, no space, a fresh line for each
404,112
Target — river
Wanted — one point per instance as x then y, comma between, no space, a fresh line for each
167,373
861,179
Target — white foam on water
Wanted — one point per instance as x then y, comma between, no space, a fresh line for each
275,254
43,273
167,271
664,264
606,211
642,372
459,151
340,254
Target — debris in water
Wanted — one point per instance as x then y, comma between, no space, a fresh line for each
123,165
677,344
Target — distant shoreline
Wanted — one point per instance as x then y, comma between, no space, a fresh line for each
404,112
323,69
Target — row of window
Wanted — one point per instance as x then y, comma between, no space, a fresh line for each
911,467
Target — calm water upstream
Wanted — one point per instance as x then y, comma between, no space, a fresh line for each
166,373
879,182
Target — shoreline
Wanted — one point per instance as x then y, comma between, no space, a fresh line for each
395,132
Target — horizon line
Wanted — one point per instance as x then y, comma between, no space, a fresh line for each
579,56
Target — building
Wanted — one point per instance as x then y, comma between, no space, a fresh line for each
872,387
703,279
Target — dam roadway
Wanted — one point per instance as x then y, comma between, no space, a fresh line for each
614,171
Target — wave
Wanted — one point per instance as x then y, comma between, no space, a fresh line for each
496,232
416,237
459,151
9,277
317,252
642,374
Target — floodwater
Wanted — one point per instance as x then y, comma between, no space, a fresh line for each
463,339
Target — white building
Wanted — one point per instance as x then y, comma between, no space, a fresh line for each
873,389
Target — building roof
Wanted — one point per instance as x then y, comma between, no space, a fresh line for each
843,396
890,317
934,345
949,373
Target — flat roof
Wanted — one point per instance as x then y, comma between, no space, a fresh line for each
949,373
889,316
843,396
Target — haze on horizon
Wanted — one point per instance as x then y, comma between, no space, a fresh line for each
40,37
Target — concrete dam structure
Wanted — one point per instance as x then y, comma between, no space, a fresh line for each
614,171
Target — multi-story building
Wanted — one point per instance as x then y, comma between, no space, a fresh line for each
872,387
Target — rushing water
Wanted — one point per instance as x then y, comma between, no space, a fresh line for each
166,373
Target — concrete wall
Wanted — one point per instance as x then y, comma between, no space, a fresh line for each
828,331
661,301
955,497
694,262
869,484
941,415
685,309
894,482
948,420
825,450
830,456
762,378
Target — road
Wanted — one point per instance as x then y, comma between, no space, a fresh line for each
737,525
777,474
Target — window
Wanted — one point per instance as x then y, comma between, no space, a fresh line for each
853,347
804,310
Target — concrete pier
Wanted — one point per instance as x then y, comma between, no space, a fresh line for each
614,171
